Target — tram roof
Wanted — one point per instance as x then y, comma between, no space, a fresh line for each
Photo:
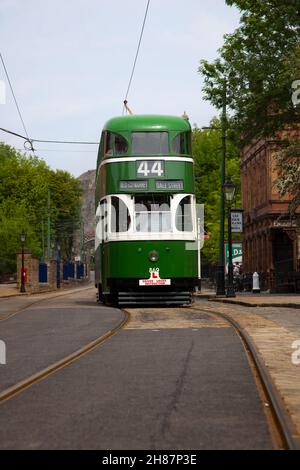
147,122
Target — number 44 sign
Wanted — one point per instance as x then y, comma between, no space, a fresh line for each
150,168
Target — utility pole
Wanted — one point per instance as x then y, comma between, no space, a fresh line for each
43,240
220,273
49,225
81,238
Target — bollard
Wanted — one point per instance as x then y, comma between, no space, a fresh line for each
255,283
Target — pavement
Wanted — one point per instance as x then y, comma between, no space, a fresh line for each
248,299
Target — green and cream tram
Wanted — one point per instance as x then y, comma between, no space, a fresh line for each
146,241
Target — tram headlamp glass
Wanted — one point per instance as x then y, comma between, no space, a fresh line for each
153,256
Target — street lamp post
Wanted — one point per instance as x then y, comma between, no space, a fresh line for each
229,191
58,267
22,238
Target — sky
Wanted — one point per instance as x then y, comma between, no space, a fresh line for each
70,61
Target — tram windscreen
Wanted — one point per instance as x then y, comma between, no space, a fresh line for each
149,143
152,213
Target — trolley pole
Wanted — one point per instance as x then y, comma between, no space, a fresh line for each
220,272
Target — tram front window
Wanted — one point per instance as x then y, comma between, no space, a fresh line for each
152,213
149,143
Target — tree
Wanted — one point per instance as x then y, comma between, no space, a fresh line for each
13,218
258,63
288,170
24,184
207,156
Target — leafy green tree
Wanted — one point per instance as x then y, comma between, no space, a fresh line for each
13,219
24,184
258,63
288,170
207,156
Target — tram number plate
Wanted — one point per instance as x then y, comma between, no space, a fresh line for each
150,168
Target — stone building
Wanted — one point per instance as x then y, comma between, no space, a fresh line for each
271,239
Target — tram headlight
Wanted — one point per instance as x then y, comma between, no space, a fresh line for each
153,256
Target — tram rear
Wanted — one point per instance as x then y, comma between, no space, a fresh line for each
146,244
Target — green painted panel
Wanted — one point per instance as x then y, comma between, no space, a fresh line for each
147,122
131,259
111,174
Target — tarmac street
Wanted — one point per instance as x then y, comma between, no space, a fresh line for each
170,379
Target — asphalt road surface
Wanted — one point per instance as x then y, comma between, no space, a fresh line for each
173,379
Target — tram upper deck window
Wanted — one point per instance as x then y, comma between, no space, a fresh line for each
180,144
152,213
121,145
183,216
115,144
149,143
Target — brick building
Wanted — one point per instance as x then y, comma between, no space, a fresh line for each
271,239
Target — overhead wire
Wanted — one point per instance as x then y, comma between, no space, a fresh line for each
136,55
16,102
29,141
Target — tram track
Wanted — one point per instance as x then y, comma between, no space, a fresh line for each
35,302
24,384
281,420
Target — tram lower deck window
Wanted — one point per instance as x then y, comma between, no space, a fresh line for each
120,218
183,217
152,213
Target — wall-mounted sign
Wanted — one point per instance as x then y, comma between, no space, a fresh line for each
236,220
237,256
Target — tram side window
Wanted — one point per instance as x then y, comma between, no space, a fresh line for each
181,144
103,218
183,216
149,143
152,213
121,145
108,144
120,218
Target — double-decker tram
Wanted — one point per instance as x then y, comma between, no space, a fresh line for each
146,242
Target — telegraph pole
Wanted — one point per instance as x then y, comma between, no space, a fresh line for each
220,273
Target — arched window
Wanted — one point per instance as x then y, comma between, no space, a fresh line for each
183,216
